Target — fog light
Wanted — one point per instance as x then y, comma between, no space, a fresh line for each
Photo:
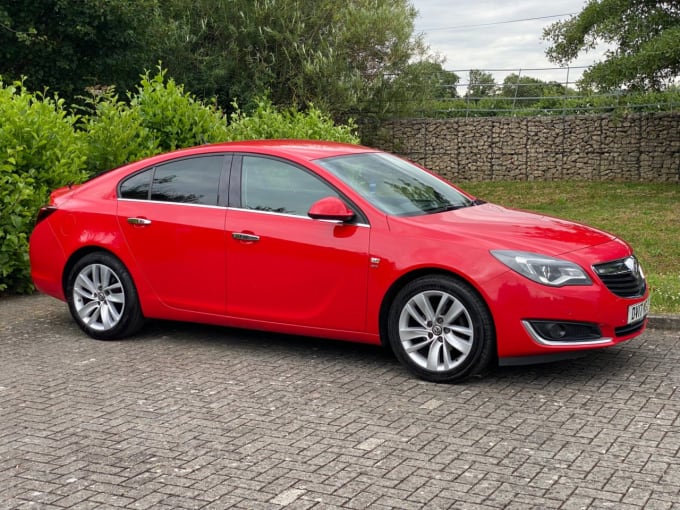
566,331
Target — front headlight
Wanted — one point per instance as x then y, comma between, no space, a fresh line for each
542,268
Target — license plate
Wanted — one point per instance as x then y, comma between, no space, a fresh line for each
638,311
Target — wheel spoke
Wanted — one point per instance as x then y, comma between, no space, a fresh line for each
418,346
423,303
441,306
433,356
462,330
454,312
118,297
462,346
91,319
87,283
415,314
448,363
407,334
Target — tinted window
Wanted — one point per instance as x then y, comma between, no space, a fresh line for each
137,186
191,180
272,185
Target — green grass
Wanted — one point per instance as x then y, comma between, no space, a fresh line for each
646,215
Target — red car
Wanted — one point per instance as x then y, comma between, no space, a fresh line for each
336,241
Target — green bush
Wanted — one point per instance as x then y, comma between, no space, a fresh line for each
39,151
159,117
175,117
115,134
267,122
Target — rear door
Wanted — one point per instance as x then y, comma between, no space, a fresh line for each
173,223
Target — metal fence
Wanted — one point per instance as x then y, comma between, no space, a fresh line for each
531,91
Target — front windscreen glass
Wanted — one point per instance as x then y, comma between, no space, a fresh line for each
394,185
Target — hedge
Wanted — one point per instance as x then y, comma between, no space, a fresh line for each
45,145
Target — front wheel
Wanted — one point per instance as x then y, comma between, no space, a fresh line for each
102,297
440,329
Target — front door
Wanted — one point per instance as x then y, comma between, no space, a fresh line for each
285,267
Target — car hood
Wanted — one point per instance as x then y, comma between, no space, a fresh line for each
492,226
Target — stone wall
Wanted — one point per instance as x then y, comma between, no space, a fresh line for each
636,147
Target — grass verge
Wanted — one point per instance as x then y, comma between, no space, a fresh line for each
646,215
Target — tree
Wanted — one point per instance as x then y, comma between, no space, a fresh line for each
644,34
480,84
525,90
341,56
67,45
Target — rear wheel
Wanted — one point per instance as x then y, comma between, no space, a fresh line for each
440,329
102,297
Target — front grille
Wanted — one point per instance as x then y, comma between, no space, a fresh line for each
623,277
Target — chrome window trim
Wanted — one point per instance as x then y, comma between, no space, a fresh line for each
273,213
168,202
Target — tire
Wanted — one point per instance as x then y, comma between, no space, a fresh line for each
102,297
441,329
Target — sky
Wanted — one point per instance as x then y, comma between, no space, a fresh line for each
447,26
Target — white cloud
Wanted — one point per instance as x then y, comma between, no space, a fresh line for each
448,30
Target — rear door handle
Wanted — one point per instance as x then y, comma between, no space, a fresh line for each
240,236
139,221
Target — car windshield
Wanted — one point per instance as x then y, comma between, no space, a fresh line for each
394,185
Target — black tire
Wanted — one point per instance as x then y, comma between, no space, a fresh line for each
441,329
102,297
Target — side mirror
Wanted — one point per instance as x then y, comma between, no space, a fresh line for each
330,208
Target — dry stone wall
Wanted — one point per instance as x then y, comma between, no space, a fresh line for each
636,147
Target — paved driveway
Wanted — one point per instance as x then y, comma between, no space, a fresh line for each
190,416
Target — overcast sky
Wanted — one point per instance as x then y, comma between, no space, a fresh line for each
448,29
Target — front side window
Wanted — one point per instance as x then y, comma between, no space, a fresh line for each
394,185
275,186
190,180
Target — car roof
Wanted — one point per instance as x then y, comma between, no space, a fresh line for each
303,149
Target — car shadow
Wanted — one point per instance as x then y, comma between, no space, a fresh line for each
590,366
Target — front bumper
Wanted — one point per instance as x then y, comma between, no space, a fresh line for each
520,305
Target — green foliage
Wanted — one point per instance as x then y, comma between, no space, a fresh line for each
267,122
481,84
526,91
566,104
175,117
67,45
159,117
338,55
39,151
43,147
115,134
645,36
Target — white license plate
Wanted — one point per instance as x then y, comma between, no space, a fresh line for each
638,312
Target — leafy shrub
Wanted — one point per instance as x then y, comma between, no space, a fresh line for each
44,147
39,151
175,117
267,122
115,134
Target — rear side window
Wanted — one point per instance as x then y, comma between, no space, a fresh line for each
189,181
137,187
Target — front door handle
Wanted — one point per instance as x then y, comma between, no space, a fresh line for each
240,236
139,221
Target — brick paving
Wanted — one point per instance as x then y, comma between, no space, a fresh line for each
196,417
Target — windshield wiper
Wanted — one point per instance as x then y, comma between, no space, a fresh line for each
443,208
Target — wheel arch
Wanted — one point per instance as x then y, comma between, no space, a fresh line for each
79,254
407,278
